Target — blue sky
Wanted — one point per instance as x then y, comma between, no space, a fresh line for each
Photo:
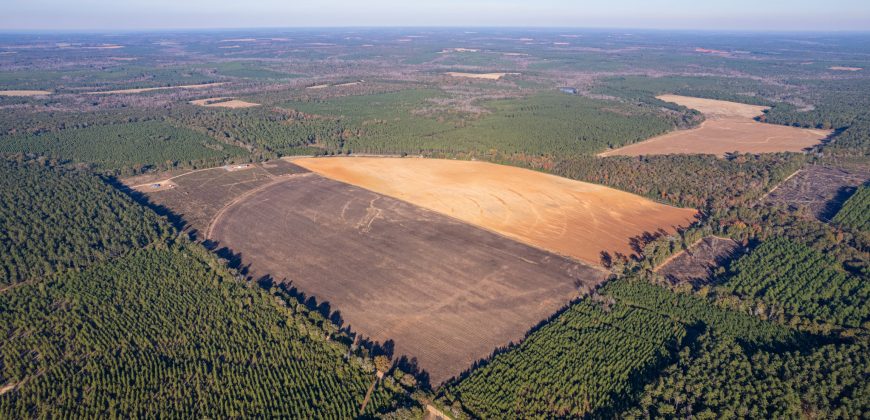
811,15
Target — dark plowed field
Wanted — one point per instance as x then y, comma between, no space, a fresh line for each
200,195
447,293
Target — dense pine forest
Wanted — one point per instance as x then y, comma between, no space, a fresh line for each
853,215
107,312
54,219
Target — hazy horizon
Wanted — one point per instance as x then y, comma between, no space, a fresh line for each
140,15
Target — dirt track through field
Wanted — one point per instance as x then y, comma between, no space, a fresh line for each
729,127
24,92
568,217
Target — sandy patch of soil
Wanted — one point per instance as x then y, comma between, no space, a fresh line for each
140,90
841,68
224,103
24,92
155,186
729,127
570,218
238,167
6,388
317,87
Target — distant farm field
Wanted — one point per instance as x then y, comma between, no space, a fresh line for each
445,293
730,127
224,103
24,92
140,90
571,218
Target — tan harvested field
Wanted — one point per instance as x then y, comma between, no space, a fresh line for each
446,293
140,90
729,127
224,103
487,76
571,218
24,92
841,68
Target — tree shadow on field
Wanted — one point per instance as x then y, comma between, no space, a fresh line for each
410,367
367,346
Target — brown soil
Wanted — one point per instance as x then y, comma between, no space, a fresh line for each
729,127
24,92
140,90
445,292
199,195
571,218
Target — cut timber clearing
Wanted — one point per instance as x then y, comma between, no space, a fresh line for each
730,127
698,264
571,218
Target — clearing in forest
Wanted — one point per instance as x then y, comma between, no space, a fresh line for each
819,190
224,103
697,264
140,90
24,92
729,127
488,76
564,216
